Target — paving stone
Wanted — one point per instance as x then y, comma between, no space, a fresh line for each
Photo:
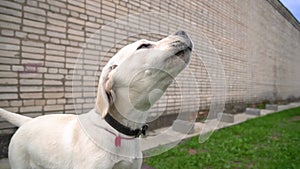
4,164
253,111
272,107
183,126
225,117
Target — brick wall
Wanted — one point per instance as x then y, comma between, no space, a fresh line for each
40,41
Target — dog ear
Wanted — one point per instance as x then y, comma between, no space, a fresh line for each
105,94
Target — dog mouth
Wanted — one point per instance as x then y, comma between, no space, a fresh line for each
184,54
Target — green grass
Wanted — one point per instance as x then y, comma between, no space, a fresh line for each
271,141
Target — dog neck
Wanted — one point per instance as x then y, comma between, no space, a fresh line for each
129,118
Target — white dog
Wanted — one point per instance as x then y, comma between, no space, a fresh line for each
107,136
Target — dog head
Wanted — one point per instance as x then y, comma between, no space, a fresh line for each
139,73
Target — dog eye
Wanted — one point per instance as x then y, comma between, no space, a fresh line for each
144,45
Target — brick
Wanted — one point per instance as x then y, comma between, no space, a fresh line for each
83,16
55,58
32,55
9,25
51,101
5,67
32,3
34,17
65,11
57,16
53,107
54,76
53,70
33,30
77,38
43,6
7,96
6,89
73,43
54,8
33,49
44,38
53,82
54,64
7,32
76,32
75,8
28,102
56,34
55,52
18,68
40,102
93,19
31,82
9,60
30,95
31,109
12,12
34,23
33,43
31,88
56,28
9,40
4,103
63,71
42,69
20,1
61,101
65,42
57,3
21,34
54,89
55,95
11,4
76,20
15,103
71,60
75,14
70,106
54,40
34,10
33,36
8,81
55,46
8,74
57,22
93,25
31,66
76,3
91,4
7,53
31,75
9,46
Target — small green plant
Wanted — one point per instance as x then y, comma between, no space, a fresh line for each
271,141
261,106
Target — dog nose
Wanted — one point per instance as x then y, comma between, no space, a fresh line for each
181,33
186,36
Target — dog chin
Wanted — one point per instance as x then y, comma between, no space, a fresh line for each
184,55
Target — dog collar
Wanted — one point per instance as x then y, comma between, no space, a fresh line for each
124,129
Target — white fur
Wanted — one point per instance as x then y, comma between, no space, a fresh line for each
129,84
